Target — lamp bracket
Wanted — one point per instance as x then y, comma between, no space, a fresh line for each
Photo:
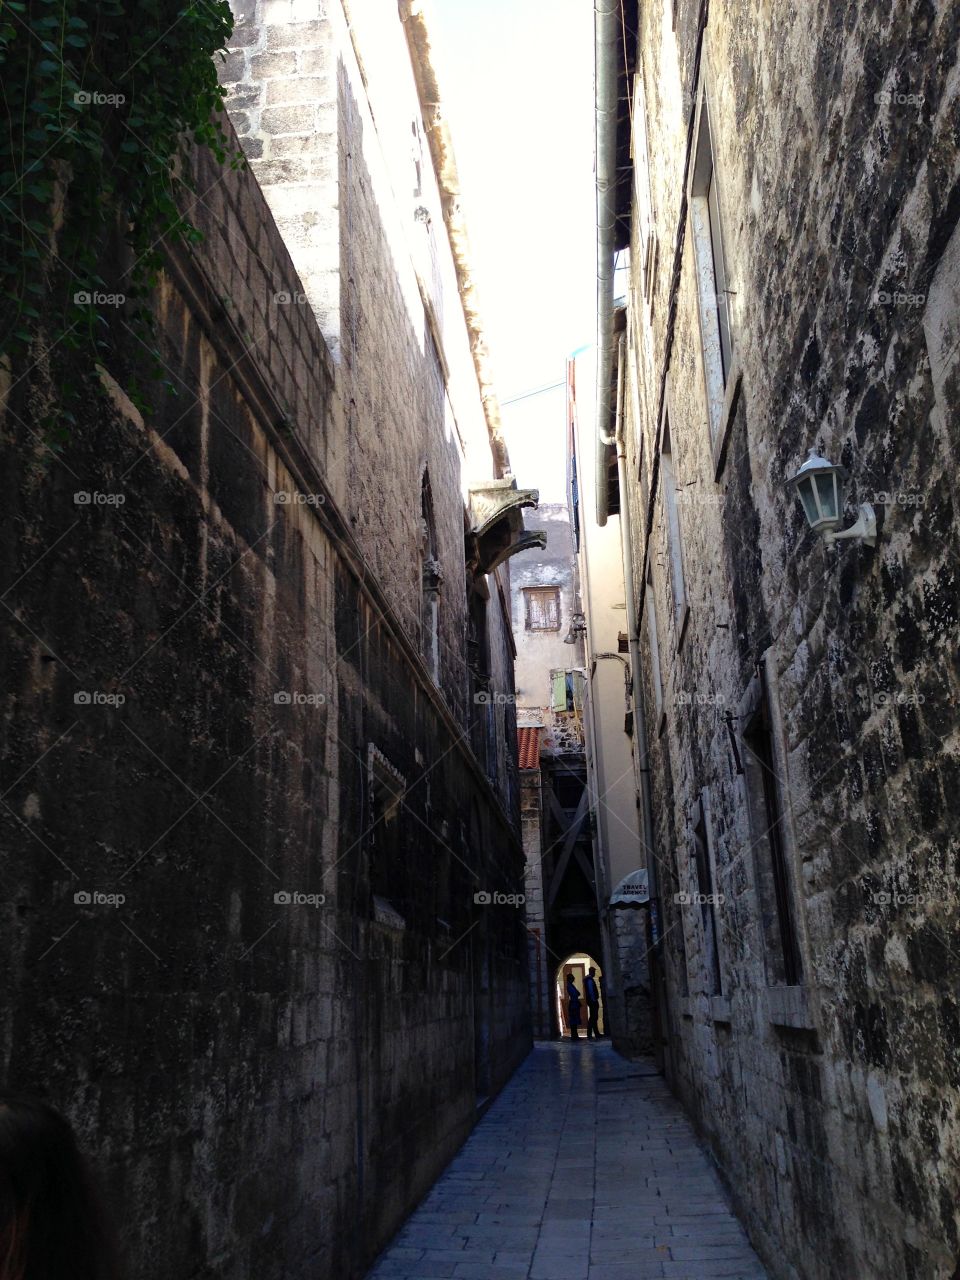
865,528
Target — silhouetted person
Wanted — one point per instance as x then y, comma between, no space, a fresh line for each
573,1007
592,993
51,1223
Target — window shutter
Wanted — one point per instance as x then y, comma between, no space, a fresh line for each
578,683
543,608
559,691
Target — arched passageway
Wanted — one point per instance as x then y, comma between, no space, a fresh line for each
579,965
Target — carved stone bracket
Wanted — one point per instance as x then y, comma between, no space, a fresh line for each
496,523
495,498
527,541
432,577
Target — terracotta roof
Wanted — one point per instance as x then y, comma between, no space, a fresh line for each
529,740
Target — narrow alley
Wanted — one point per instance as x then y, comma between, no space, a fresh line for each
584,1168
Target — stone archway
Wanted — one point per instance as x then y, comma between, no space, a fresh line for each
578,963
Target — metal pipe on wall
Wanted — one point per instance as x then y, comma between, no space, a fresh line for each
606,43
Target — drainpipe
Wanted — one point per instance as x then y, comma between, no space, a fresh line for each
642,753
606,27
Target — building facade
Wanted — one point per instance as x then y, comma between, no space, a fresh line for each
611,758
261,797
781,186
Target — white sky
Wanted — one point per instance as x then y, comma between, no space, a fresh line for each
516,77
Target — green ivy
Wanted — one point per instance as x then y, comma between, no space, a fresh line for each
101,100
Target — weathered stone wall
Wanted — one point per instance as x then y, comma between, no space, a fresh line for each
540,962
541,652
831,1104
632,1020
325,102
267,1086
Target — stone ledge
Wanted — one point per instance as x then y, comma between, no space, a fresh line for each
731,399
720,1009
788,1007
682,629
385,913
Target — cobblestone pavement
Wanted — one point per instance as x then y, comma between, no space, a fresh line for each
584,1168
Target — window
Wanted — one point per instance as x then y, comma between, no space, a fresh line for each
642,192
568,788
478,667
632,377
387,866
719,275
542,605
567,691
766,819
668,485
621,276
416,155
430,580
713,284
676,929
575,501
650,608
708,897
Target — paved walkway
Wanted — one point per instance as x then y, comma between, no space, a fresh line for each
584,1168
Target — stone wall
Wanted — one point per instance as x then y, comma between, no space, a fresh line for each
326,106
541,652
831,1100
540,962
272,1044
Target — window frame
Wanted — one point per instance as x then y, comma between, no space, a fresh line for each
705,871
722,372
772,844
386,863
672,529
653,642
544,589
574,690
643,188
431,581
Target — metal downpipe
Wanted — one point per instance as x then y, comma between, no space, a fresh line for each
607,43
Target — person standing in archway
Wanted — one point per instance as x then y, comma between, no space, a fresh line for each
592,993
573,1007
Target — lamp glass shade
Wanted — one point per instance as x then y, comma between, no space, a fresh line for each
820,486
805,493
827,496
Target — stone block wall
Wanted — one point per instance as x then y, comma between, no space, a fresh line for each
260,989
281,69
540,960
831,1102
630,948
325,103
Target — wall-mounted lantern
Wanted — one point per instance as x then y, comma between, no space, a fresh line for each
578,625
821,488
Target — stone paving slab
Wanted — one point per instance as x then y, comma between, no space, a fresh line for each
576,1174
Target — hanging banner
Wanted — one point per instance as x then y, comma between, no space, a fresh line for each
632,891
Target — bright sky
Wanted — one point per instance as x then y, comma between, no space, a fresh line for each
517,82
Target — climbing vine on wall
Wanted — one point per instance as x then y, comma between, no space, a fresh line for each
99,100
